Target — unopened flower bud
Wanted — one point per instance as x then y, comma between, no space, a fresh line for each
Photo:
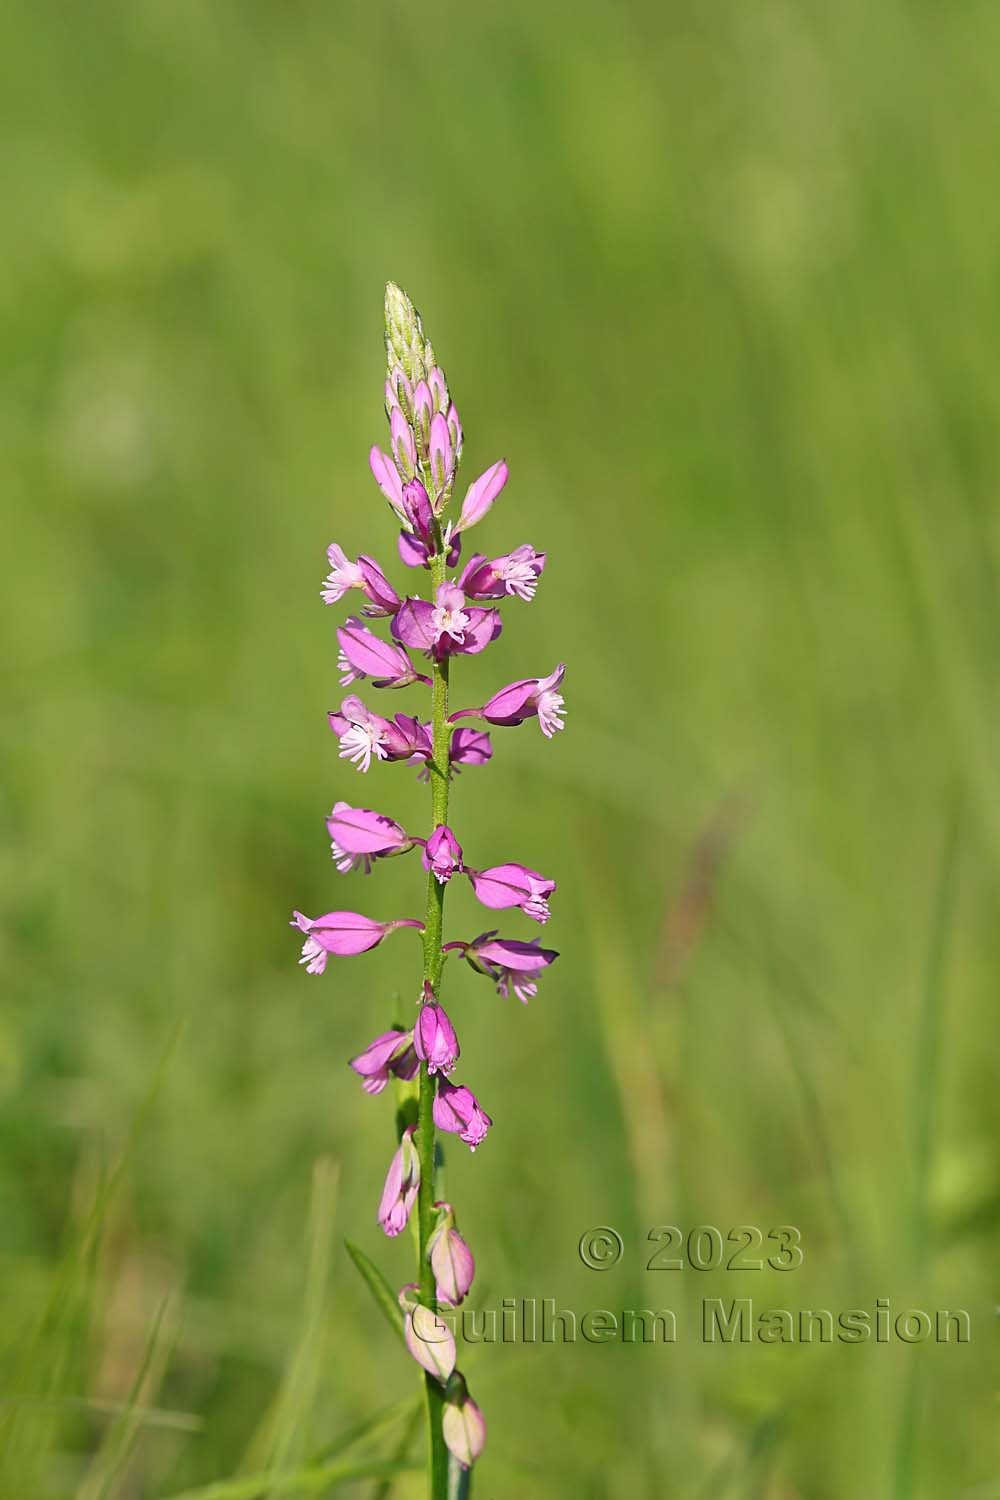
406,347
442,854
451,1259
462,1423
434,1038
402,1185
428,1337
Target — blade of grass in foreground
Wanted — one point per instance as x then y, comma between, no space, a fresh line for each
371,1427
114,1453
402,1449
45,1371
378,1286
924,1106
281,1439
315,1480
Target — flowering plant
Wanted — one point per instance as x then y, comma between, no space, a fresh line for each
460,617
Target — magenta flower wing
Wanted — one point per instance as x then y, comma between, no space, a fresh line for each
412,551
471,747
515,573
481,494
512,965
457,1110
392,1052
343,934
382,597
364,654
358,835
414,624
417,509
528,698
387,478
447,626
484,625
503,886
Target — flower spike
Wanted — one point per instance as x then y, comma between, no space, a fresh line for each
457,614
342,933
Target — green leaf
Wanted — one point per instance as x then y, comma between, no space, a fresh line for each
378,1286
310,1481
371,1427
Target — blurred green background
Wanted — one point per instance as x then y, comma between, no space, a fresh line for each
721,282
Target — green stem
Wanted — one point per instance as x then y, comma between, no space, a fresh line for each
440,773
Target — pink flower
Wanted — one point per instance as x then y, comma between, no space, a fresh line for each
390,1053
404,448
448,625
428,1338
412,551
442,457
457,1110
417,509
365,736
457,437
358,836
388,480
513,966
523,700
419,544
513,885
480,496
398,392
442,854
438,387
517,573
423,411
451,1259
470,747
402,1185
463,1428
366,575
342,933
343,575
382,597
434,1039
363,654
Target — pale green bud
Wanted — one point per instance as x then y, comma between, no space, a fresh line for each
406,348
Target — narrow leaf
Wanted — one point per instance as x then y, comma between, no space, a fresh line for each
379,1287
311,1481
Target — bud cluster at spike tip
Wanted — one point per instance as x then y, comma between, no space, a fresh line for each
385,642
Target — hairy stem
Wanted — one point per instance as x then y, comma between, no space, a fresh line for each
440,773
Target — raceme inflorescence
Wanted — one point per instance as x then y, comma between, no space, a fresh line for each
459,618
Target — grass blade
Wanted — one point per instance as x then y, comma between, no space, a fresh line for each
926,1073
313,1480
380,1289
